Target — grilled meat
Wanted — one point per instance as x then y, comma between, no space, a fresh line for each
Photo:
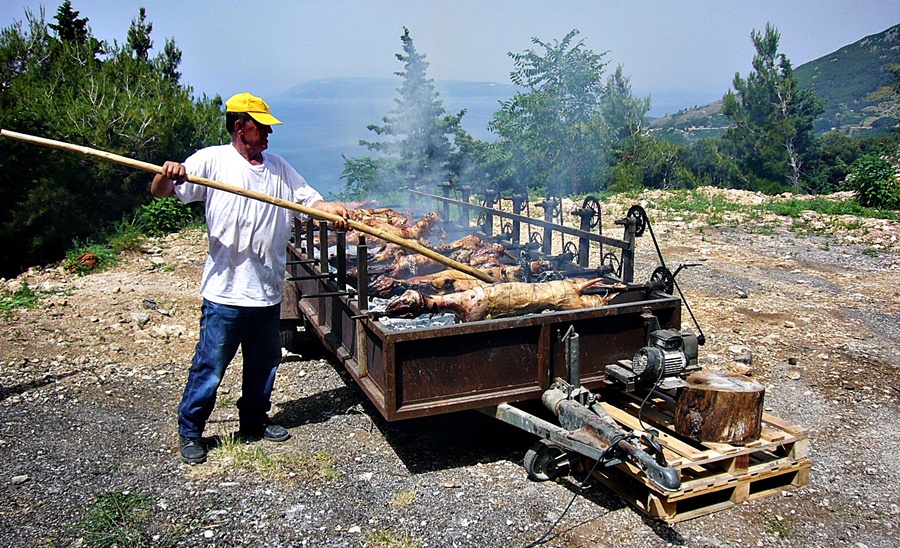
506,299
450,281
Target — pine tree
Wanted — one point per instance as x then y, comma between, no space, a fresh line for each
138,40
773,117
68,27
418,146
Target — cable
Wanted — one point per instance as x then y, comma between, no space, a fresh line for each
647,398
613,443
701,338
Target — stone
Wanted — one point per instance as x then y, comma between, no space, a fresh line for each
14,286
140,318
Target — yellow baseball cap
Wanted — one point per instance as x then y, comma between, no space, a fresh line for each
252,105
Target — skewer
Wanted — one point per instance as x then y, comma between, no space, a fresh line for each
312,212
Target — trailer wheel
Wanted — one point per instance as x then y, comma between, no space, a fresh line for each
545,461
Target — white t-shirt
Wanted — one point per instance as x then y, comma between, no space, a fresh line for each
247,238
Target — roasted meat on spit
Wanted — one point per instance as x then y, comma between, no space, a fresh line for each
507,299
451,281
391,222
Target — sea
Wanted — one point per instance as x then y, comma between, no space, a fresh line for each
319,132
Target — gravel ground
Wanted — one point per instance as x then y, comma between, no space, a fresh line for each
90,380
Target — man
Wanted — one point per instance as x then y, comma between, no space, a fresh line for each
244,273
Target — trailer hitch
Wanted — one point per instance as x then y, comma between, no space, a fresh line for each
591,424
585,428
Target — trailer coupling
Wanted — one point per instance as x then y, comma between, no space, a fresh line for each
585,429
586,421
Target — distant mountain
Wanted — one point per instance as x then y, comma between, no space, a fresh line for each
853,81
688,125
343,88
378,88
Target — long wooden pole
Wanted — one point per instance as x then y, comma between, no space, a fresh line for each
312,212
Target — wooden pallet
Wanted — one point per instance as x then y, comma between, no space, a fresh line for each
714,476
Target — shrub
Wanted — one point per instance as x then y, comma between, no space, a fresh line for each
127,236
164,215
874,180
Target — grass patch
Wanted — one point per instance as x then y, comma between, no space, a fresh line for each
795,207
23,298
225,402
404,498
114,519
385,538
778,527
693,201
128,236
232,452
86,258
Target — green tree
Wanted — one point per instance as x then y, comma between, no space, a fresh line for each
69,27
553,131
773,117
62,89
876,182
623,113
713,165
650,163
418,138
836,153
138,41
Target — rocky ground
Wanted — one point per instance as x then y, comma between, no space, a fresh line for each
90,380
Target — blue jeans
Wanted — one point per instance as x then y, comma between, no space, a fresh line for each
222,329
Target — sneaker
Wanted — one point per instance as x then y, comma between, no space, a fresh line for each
192,450
271,432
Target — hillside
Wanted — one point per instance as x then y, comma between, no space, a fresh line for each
853,81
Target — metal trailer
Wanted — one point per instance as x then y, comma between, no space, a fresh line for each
560,358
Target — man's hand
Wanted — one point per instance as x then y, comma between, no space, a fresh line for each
174,171
172,174
334,208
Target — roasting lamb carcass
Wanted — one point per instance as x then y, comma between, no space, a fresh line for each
450,281
390,222
506,299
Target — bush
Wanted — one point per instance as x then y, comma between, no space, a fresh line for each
875,182
164,215
127,236
77,88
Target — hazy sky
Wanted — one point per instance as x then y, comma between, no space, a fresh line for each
690,47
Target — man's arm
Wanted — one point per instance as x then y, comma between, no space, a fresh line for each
163,184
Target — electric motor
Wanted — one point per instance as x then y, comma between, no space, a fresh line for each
666,355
